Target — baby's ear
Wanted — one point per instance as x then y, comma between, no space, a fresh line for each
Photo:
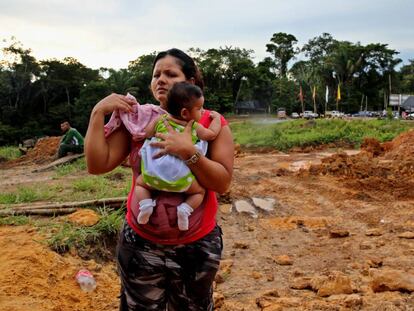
185,113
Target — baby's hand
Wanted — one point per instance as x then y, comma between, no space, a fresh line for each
214,114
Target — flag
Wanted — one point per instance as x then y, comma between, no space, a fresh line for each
314,93
338,93
327,94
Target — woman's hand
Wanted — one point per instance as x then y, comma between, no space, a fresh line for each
175,143
113,102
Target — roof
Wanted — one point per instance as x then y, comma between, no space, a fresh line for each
409,103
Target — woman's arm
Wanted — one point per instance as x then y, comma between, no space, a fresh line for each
213,173
104,154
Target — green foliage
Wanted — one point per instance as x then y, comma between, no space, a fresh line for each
37,95
301,133
26,194
9,152
15,220
67,235
71,168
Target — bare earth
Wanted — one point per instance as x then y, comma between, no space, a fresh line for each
340,237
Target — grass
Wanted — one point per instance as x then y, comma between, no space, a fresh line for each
27,194
15,220
87,187
68,235
9,152
301,133
71,168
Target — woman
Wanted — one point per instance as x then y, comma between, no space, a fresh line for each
161,267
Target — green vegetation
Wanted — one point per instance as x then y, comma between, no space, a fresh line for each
67,235
36,95
27,194
15,220
301,133
88,187
9,152
71,168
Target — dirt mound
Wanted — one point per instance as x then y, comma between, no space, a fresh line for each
44,151
387,167
46,279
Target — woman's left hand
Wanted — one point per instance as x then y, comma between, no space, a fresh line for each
175,143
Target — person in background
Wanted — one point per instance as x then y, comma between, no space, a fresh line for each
72,140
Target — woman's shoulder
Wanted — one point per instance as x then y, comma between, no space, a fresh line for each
206,120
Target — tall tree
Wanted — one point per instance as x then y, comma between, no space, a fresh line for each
283,49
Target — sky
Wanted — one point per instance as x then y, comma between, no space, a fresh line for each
110,33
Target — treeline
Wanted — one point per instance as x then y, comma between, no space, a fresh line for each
35,96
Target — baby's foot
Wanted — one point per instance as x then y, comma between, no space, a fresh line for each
146,207
183,212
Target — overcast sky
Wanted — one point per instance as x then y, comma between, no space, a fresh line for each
110,33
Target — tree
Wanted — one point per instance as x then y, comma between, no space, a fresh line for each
282,47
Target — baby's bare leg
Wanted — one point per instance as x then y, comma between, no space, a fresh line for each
146,204
142,190
195,194
195,197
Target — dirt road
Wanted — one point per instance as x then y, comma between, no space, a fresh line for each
337,239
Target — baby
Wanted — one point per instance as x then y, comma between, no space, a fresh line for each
169,173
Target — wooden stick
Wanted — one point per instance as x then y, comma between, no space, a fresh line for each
42,212
105,201
58,162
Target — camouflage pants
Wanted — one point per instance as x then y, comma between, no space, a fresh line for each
163,277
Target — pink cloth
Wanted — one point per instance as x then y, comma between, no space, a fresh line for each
136,121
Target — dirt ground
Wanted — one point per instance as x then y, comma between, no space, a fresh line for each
340,237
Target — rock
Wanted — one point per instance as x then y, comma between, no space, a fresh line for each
84,217
256,275
301,283
245,207
218,299
338,233
240,245
406,235
392,280
226,208
267,300
336,283
374,262
264,204
270,277
283,260
232,306
365,245
373,232
353,301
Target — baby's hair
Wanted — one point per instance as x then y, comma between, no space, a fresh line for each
182,95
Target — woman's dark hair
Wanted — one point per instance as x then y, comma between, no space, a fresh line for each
182,95
187,64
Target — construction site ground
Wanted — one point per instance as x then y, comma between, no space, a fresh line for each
340,237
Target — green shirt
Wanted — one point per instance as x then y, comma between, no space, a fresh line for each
72,137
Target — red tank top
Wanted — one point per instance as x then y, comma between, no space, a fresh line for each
162,227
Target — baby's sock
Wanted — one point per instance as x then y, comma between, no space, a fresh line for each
146,208
183,212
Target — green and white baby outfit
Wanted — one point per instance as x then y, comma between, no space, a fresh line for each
168,173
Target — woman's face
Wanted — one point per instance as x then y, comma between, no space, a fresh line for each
167,72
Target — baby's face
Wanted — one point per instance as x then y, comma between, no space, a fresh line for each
195,112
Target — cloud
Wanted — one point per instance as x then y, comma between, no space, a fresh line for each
112,32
